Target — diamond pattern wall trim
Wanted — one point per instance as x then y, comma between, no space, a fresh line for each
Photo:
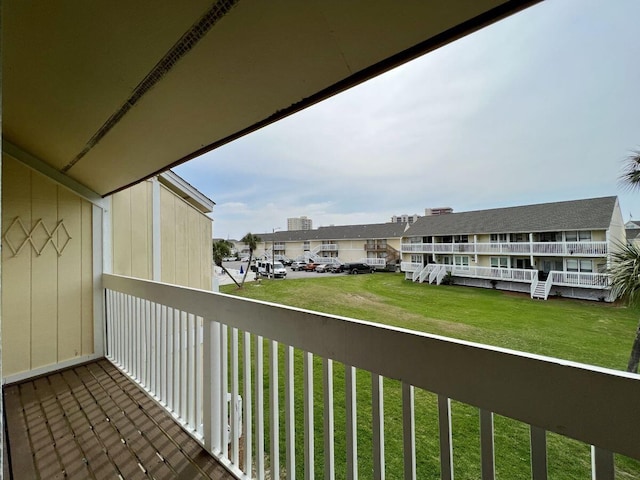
17,236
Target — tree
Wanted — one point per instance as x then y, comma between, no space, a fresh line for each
222,249
251,241
625,262
625,283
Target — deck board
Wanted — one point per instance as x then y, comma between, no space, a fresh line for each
91,421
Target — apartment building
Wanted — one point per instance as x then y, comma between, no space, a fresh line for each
559,248
377,244
299,223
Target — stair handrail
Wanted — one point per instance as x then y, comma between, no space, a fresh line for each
534,282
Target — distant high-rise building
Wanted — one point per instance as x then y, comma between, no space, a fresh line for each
437,211
405,218
299,223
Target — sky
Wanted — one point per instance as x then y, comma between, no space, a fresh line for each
542,106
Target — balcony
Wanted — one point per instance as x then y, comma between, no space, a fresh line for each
564,279
279,247
371,247
191,350
327,247
579,249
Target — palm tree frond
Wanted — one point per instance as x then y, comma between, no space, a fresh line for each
630,177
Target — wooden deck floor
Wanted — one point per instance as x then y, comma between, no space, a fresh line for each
91,422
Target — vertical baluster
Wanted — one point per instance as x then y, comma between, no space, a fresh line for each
175,325
352,422
309,470
247,406
109,316
191,370
224,389
164,354
199,373
538,439
259,409
329,456
158,346
377,421
130,333
235,451
446,445
211,382
602,464
184,363
171,350
153,346
289,413
137,344
487,446
146,340
274,410
409,431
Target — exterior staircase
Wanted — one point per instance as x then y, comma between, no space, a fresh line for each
540,291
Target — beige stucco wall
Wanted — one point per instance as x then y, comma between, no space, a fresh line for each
185,237
47,298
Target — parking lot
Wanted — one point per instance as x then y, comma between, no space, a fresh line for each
290,273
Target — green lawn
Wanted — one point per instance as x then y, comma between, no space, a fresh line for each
590,332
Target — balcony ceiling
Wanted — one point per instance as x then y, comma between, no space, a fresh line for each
110,93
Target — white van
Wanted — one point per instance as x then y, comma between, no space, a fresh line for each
268,269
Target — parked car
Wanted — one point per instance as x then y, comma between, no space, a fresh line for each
269,269
297,265
355,268
336,268
309,267
323,268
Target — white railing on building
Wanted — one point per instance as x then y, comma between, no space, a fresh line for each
191,348
580,279
374,262
411,266
425,272
534,283
590,249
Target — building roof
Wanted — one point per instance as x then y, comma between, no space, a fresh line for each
370,231
632,233
587,214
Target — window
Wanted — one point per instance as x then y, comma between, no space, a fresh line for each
461,261
571,236
499,262
462,239
416,258
579,265
306,247
584,236
578,236
586,265
498,237
572,265
518,237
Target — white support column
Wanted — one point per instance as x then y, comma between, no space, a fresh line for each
156,247
531,249
602,464
100,243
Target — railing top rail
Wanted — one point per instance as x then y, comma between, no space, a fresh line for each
500,380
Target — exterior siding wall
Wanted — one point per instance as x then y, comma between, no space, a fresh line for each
47,298
132,234
185,237
186,243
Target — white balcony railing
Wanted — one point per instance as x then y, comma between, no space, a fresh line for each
589,249
191,348
580,279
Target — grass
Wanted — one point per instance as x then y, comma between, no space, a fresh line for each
589,332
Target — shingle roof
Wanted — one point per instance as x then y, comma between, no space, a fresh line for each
587,214
632,233
370,231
